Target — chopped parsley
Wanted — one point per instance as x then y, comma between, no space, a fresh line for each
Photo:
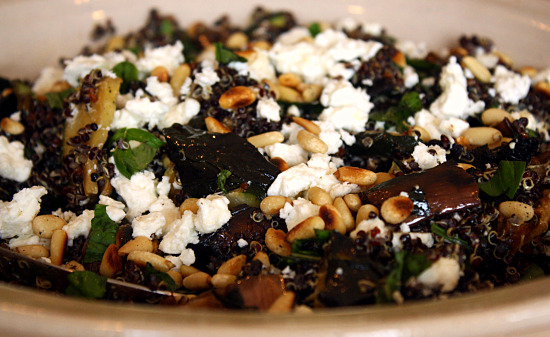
506,179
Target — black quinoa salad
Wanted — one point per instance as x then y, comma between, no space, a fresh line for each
277,166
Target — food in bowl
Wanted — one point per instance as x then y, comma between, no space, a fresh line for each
278,166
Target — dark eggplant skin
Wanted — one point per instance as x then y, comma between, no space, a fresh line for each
200,156
446,188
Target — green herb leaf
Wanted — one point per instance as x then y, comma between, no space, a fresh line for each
437,230
102,235
169,281
166,28
128,72
222,177
314,29
311,247
56,99
143,136
405,266
506,179
398,115
277,20
86,284
225,56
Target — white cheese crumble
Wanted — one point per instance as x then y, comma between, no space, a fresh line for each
212,214
140,111
444,274
79,226
298,211
292,154
181,113
162,91
149,225
412,49
425,159
16,215
14,164
370,224
542,76
182,233
410,77
139,192
114,209
436,127
426,238
510,85
242,243
453,101
45,82
207,77
169,56
269,109
81,66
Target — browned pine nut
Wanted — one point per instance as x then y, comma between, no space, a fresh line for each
237,97
115,43
289,95
263,258
382,177
57,247
281,164
353,201
11,126
161,73
250,54
73,265
310,142
188,270
529,71
215,126
283,303
233,266
223,280
345,213
494,116
310,92
157,261
523,212
332,218
33,251
178,78
399,59
504,58
139,243
355,175
420,132
319,196
305,229
479,70
543,87
275,240
271,205
290,80
189,204
45,225
364,213
267,138
111,262
237,40
176,276
396,209
307,124
198,281
482,135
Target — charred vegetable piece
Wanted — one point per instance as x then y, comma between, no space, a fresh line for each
8,100
447,188
255,292
352,278
382,143
199,158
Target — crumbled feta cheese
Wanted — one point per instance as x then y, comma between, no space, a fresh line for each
163,91
453,126
347,107
25,240
114,209
269,109
259,66
426,238
533,123
79,226
67,216
412,49
167,208
138,112
435,127
410,77
182,233
368,225
169,56
181,113
292,154
16,215
207,77
14,164
444,273
298,211
81,66
454,99
213,213
427,160
149,225
242,243
510,85
542,76
138,193
489,60
48,77
187,256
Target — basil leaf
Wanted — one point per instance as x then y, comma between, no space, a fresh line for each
169,281
224,55
506,179
437,230
222,177
130,161
57,99
404,266
314,29
311,247
144,137
86,284
102,235
398,115
166,28
128,72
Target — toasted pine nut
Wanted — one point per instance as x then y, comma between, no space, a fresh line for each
111,262
237,40
319,196
504,58
307,124
115,43
345,213
250,54
482,135
45,225
310,142
458,51
157,261
465,166
523,212
290,80
273,87
281,164
355,175
263,258
494,116
463,141
237,97
57,247
399,59
267,138
139,243
310,92
283,303
382,177
188,270
215,126
233,266
11,126
275,240
529,71
353,201
305,229
479,70
176,276
73,265
34,251
396,209
198,281
364,213
271,205
543,87
161,73
189,204
223,280
332,218
261,44
289,95
178,78
420,132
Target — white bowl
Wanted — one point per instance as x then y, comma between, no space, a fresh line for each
35,33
